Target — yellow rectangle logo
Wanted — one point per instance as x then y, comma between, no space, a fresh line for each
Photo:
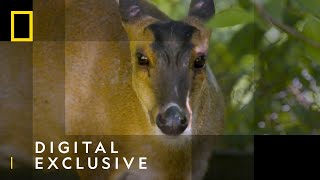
30,39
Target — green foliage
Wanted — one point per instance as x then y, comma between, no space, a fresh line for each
230,17
311,30
308,6
268,70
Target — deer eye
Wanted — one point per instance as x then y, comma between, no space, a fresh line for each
142,59
200,62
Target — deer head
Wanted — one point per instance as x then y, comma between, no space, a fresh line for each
169,62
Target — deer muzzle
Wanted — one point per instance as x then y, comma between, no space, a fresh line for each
173,121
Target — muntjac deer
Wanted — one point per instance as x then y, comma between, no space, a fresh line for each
107,68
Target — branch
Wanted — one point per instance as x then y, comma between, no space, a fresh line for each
287,29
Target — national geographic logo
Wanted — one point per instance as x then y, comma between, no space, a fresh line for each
16,20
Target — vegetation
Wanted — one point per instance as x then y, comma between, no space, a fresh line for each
266,57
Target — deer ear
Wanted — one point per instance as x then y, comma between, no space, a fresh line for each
130,10
202,9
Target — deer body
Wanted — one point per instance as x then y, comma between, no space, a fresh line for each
89,84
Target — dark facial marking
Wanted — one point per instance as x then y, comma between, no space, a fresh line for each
172,30
172,46
172,39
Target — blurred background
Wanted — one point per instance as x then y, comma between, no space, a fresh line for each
266,57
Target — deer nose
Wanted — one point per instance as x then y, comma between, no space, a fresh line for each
172,122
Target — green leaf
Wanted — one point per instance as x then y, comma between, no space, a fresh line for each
275,8
251,34
231,17
245,4
311,6
311,30
292,15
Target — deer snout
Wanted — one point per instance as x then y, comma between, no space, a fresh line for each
172,121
